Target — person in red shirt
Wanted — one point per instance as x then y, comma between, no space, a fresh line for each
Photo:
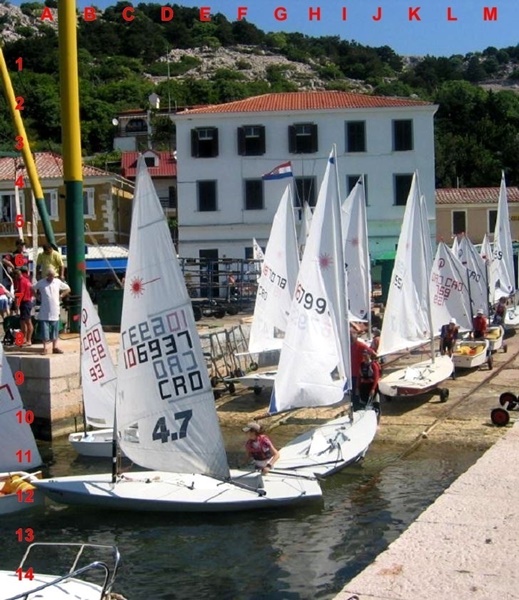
369,377
357,349
479,325
24,303
259,448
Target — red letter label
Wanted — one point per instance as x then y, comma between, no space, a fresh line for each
378,16
205,13
450,16
46,15
344,13
280,13
166,13
242,12
127,13
413,14
489,14
314,12
89,13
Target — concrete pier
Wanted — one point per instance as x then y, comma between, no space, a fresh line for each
464,546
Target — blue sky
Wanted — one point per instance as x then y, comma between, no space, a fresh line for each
434,34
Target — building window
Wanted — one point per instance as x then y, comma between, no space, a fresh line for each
136,126
251,140
8,207
89,210
302,138
150,161
355,136
254,194
51,202
204,142
459,221
306,191
402,135
172,197
206,195
351,181
492,220
402,185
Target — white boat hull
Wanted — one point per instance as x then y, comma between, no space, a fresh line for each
258,380
330,447
158,491
495,336
93,443
417,379
470,361
512,316
73,589
10,503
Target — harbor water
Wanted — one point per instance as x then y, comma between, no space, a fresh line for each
289,554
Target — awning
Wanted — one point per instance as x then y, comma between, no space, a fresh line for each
100,265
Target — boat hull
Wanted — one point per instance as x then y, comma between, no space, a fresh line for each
93,443
258,380
157,491
10,502
495,337
512,317
470,361
72,589
330,447
417,379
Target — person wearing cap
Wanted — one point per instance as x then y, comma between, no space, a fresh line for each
12,261
375,340
49,258
51,290
259,448
369,376
24,303
479,325
500,312
448,337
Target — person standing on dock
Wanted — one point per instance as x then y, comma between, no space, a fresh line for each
479,325
24,304
448,337
49,258
260,448
500,312
369,376
51,290
357,350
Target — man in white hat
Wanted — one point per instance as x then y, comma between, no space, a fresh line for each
479,325
448,337
51,291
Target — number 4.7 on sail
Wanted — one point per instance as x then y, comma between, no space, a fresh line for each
162,433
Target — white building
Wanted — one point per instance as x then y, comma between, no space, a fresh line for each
223,151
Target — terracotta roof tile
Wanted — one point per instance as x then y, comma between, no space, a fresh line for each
474,195
294,101
49,165
167,165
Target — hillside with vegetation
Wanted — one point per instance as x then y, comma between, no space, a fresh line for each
188,62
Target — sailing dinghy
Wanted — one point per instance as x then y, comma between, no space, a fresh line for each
98,382
314,366
163,390
18,449
407,320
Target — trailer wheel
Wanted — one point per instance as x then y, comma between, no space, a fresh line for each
490,362
214,381
508,400
253,366
505,348
444,394
231,387
197,313
257,390
500,417
232,310
238,373
216,395
219,313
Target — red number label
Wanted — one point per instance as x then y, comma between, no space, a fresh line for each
29,574
19,220
19,103
19,377
19,63
25,496
20,455
19,183
25,416
25,535
19,338
19,142
19,259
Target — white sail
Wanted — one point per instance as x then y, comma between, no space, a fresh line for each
426,233
502,266
257,252
455,246
277,281
304,229
449,289
477,275
406,318
19,450
98,375
314,365
356,252
163,384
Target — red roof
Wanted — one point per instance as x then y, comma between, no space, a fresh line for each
292,101
167,166
49,165
474,195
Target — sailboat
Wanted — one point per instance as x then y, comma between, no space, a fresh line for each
18,449
163,390
407,320
276,286
356,253
315,365
502,265
98,382
304,228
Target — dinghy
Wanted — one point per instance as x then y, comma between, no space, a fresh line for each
98,382
407,320
470,354
18,449
164,392
495,335
315,363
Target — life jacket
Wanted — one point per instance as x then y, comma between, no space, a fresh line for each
366,372
259,448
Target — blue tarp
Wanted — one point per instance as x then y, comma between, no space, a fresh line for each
100,264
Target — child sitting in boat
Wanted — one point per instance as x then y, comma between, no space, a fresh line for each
260,448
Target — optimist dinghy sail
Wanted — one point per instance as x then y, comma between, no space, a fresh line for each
98,381
163,389
502,265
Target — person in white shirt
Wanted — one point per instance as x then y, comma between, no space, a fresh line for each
51,291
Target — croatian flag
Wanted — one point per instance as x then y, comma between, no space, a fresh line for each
280,172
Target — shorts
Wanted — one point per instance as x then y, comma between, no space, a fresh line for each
25,310
4,303
49,330
448,344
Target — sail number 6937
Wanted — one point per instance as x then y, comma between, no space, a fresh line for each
308,301
162,433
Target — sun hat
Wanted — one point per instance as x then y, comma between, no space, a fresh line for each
453,321
480,311
252,427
